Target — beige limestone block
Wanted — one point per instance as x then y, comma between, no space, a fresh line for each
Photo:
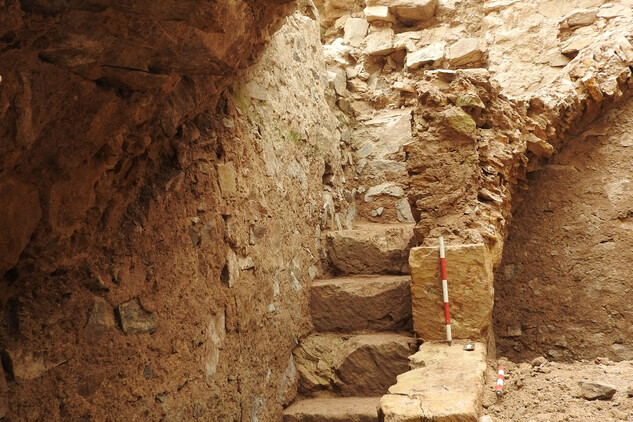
583,17
408,10
428,54
470,291
355,31
379,13
446,384
380,42
465,51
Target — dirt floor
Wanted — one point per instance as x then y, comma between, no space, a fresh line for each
546,391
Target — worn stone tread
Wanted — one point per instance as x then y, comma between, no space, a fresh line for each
349,304
371,248
351,365
340,409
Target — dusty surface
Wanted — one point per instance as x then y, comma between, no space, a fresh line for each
444,383
550,392
563,287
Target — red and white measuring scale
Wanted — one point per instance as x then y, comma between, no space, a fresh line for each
447,314
500,378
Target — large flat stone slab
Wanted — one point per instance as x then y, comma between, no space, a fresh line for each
470,291
377,303
445,385
408,10
351,365
371,249
339,409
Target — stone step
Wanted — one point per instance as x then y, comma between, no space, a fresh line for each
445,384
339,409
371,248
349,304
351,365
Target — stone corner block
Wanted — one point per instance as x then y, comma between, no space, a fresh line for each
470,290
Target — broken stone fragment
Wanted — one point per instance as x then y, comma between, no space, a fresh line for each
426,55
408,10
231,271
246,263
590,82
538,146
582,17
403,211
379,13
95,282
465,51
386,188
214,341
338,80
100,320
469,100
575,44
597,391
226,178
488,195
355,30
379,42
458,120
136,320
612,10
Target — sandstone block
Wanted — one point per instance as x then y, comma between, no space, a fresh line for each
465,51
358,365
426,55
355,30
446,384
470,291
361,303
371,249
136,320
340,409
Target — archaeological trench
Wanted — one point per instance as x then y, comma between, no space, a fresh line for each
230,210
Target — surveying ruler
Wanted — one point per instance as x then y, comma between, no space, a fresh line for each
447,314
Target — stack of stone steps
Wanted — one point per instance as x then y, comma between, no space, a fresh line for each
362,321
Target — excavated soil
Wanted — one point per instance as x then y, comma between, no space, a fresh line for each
543,391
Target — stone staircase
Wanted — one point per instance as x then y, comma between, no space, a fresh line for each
362,320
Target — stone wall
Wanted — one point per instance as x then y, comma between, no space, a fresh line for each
562,289
167,278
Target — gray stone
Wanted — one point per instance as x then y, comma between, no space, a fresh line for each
386,188
365,150
355,30
288,385
403,211
377,212
246,263
426,55
597,391
136,320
